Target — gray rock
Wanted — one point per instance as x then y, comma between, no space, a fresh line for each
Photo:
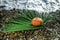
38,5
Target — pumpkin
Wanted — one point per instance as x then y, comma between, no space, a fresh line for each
37,21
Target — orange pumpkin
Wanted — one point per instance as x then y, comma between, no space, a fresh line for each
37,21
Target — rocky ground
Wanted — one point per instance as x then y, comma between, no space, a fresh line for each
50,32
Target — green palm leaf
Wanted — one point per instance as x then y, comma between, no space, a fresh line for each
23,21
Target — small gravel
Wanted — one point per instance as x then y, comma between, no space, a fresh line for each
50,32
